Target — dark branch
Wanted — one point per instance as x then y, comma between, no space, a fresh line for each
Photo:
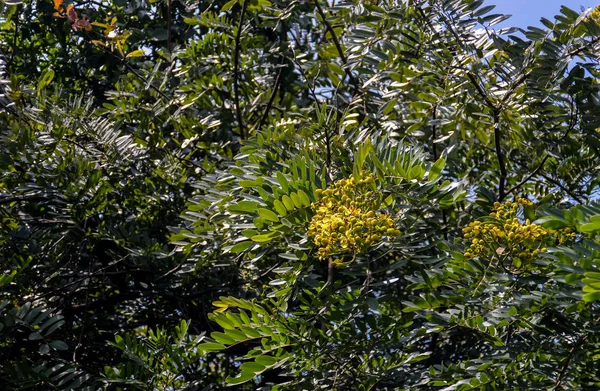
581,49
499,155
481,91
534,173
514,87
572,352
271,98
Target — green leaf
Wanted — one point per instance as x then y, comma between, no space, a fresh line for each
266,237
135,53
277,282
244,377
283,182
229,5
51,325
303,198
389,106
253,367
572,278
211,347
241,246
244,207
237,335
268,214
35,336
436,169
589,297
266,360
247,183
593,275
296,200
222,338
589,227
552,222
280,208
250,332
289,204
224,322
45,80
336,69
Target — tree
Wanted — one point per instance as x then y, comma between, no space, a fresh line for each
298,195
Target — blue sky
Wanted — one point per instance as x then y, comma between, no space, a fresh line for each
528,12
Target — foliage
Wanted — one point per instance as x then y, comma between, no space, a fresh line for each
357,195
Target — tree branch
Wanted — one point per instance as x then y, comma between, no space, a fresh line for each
336,42
563,188
311,89
581,49
563,371
481,91
499,155
514,87
272,97
524,181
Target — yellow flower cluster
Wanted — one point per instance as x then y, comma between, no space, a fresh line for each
506,236
595,14
346,219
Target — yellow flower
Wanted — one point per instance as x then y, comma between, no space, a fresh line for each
347,220
518,242
594,15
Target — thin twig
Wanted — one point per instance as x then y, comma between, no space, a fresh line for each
499,155
212,3
514,87
572,123
581,49
90,275
534,173
563,371
136,74
336,42
272,97
481,91
563,188
236,64
85,316
142,78
311,89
